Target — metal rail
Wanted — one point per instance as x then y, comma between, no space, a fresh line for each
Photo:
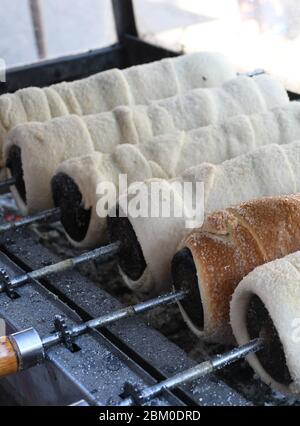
102,254
25,349
117,315
47,216
141,396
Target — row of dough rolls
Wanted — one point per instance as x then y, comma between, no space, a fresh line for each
169,156
267,171
266,304
41,147
106,90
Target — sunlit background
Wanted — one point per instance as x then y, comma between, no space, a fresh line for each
253,33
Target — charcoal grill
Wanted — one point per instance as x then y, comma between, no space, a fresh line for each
107,365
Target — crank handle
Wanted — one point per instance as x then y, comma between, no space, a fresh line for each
20,351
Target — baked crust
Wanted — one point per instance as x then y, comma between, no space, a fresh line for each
233,242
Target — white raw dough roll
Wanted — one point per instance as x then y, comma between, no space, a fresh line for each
177,152
106,90
184,73
90,170
45,145
39,160
277,284
241,95
266,171
136,124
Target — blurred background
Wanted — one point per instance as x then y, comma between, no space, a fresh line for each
253,33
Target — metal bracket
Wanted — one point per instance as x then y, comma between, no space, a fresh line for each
133,392
61,327
123,11
5,281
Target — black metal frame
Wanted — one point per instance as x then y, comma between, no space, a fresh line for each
124,18
130,50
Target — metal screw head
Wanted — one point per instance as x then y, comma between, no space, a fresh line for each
133,391
7,284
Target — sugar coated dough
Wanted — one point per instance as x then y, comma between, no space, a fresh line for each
173,150
108,89
267,171
277,284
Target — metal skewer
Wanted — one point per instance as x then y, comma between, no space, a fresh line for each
52,215
103,254
26,348
140,396
123,313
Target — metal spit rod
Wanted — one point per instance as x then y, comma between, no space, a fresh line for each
52,215
26,348
103,254
117,315
200,370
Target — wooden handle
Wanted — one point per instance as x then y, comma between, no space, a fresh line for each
9,363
